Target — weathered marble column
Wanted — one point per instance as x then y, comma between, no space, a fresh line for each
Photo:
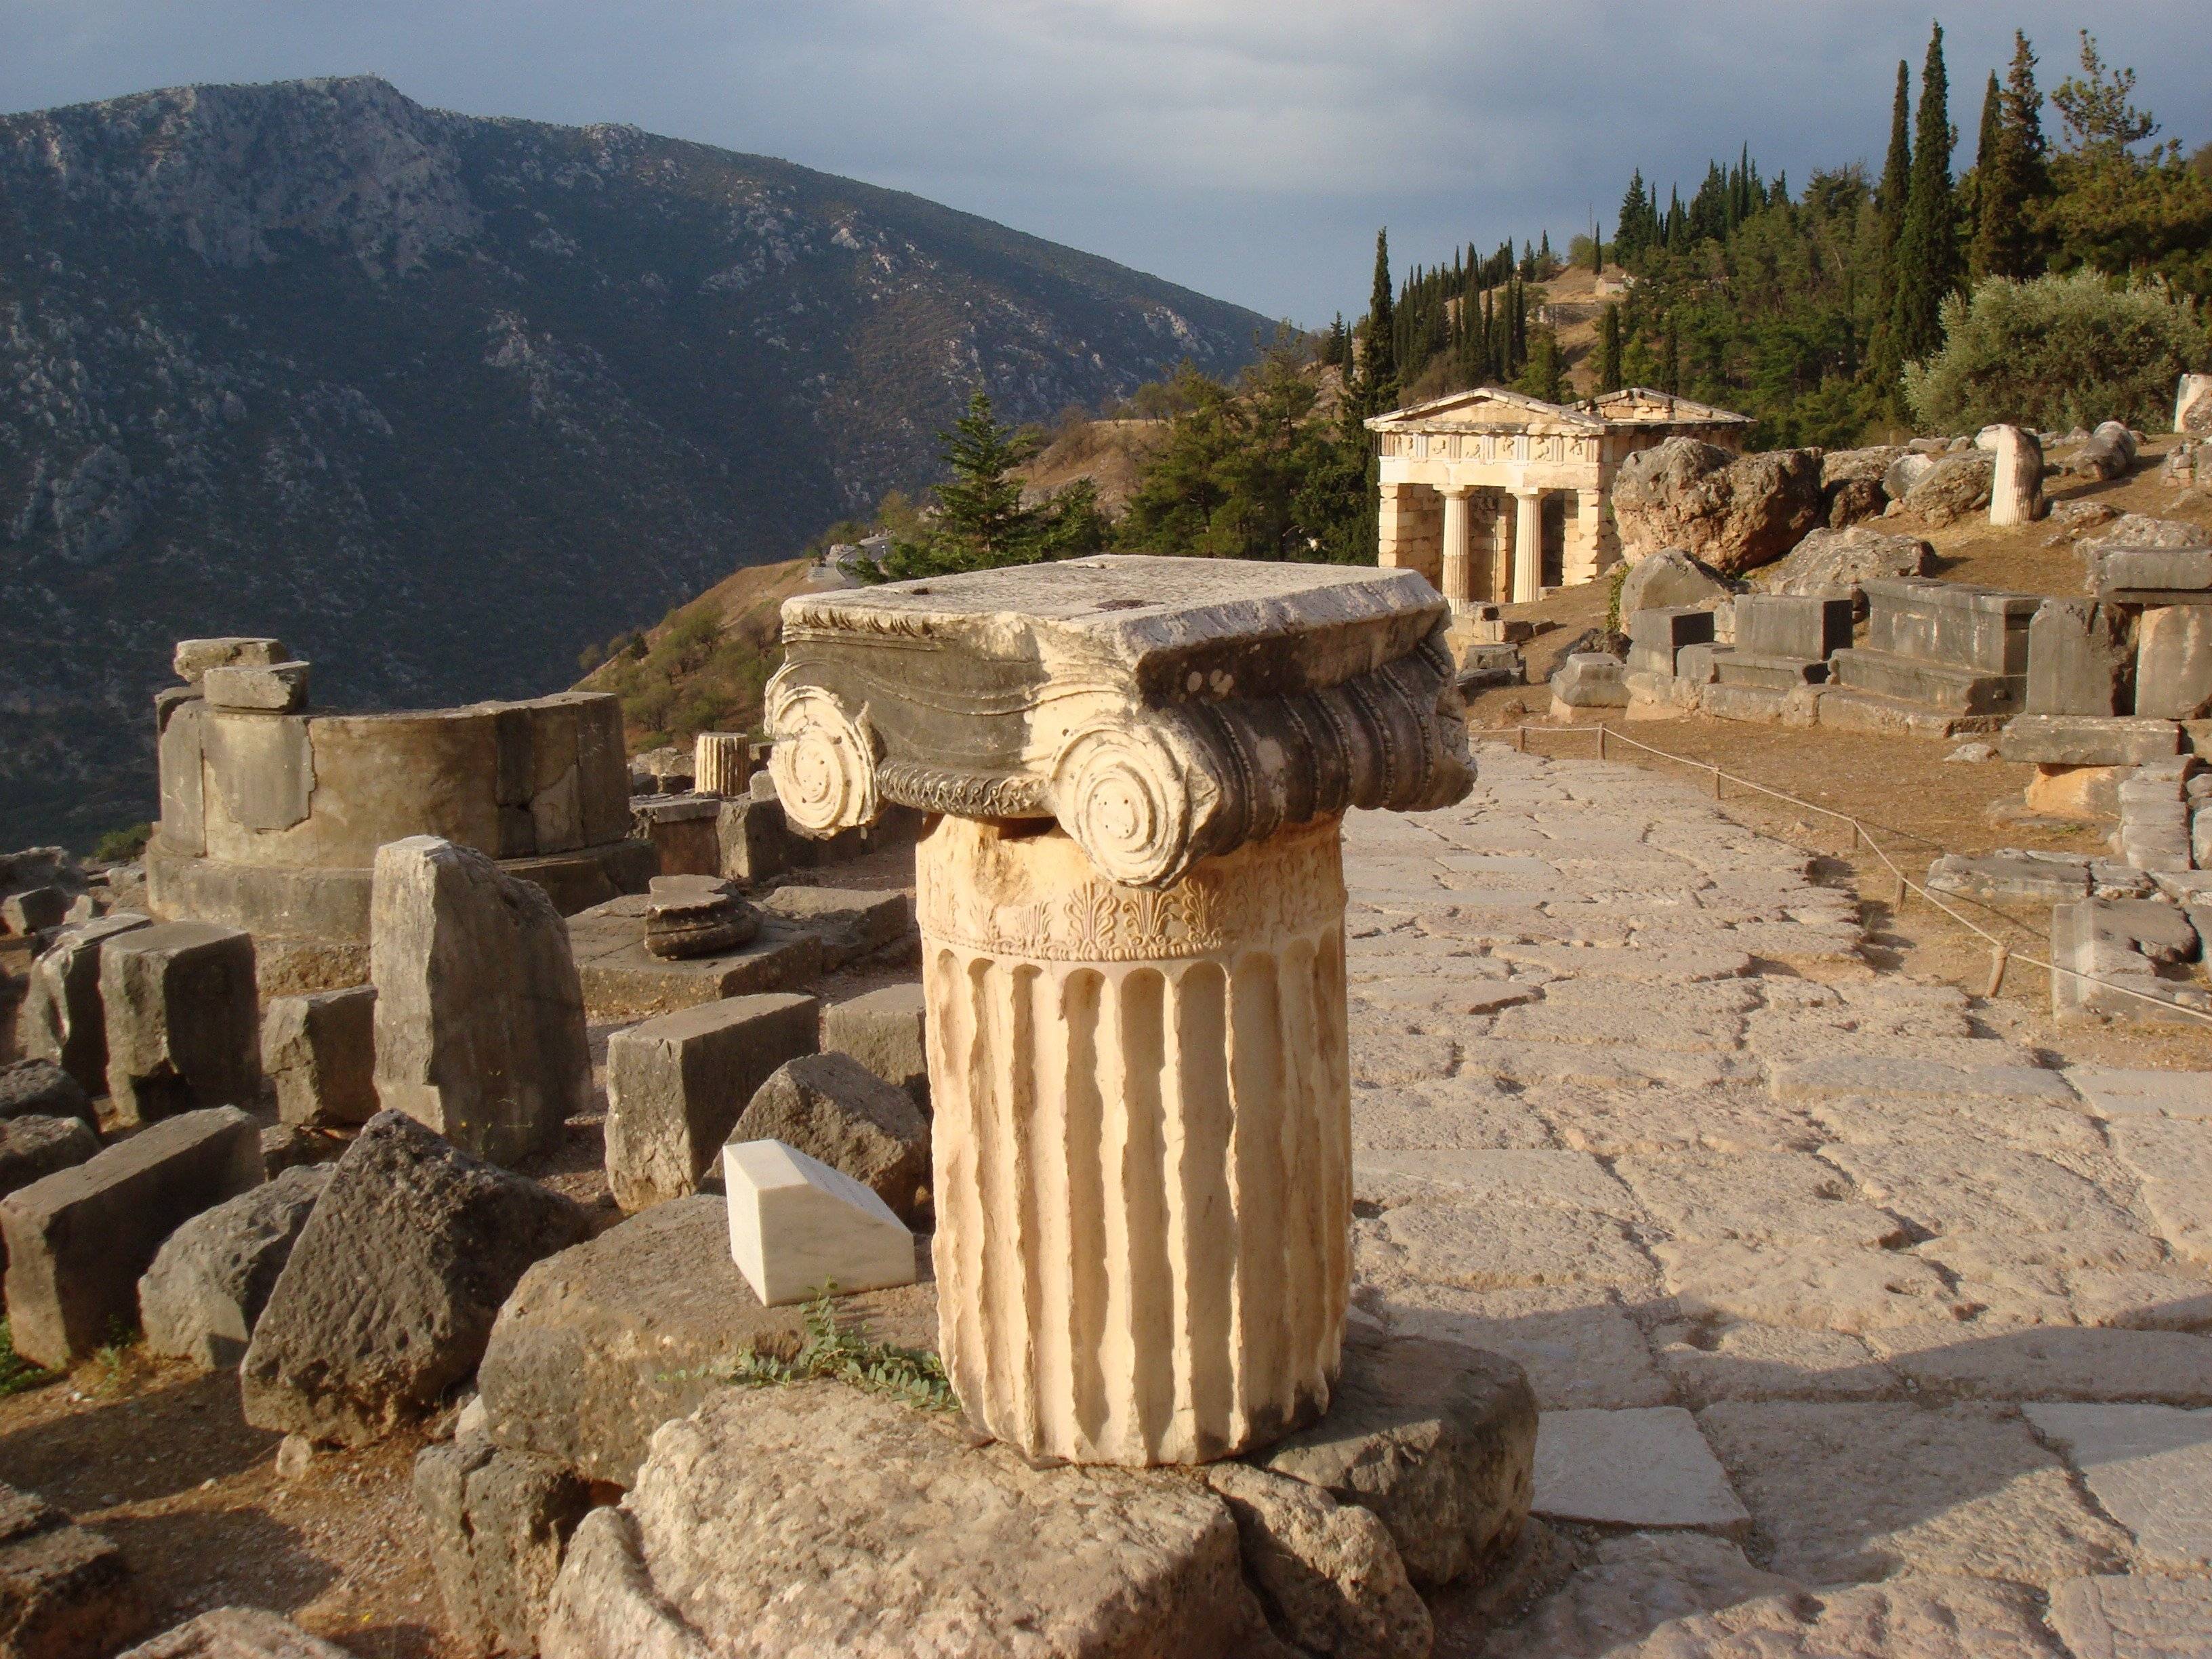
721,763
1459,564
1527,545
2017,491
1133,922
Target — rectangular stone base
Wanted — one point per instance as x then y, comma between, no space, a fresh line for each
622,980
1933,686
2088,740
1491,665
1751,668
1864,711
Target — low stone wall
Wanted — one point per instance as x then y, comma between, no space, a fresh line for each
270,821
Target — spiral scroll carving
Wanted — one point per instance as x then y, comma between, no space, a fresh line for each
1125,796
825,760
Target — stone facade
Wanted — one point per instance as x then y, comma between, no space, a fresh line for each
1495,496
271,820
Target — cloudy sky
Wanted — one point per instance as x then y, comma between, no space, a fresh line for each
1246,148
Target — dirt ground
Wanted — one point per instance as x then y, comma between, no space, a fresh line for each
159,1458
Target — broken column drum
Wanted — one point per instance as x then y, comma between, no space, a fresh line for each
1132,923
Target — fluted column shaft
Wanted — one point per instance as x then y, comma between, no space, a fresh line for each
1528,546
1142,1141
1458,562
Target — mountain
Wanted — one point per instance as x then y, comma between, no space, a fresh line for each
438,399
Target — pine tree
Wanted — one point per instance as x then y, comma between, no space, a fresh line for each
1379,374
2014,176
1632,234
1926,263
1608,351
1670,359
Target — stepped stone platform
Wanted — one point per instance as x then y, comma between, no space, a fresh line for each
1820,1285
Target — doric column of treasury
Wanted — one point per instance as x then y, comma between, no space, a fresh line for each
1132,923
1458,557
1501,562
1584,556
1527,545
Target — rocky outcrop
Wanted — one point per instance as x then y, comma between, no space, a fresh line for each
1735,511
1956,487
1837,561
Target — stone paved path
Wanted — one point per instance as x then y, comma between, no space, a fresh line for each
1819,1286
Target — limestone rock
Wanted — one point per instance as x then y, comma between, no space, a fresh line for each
1633,1583
891,1535
1931,1618
183,1019
1828,561
319,1051
499,1523
61,1019
65,1592
832,1108
2080,660
1591,679
78,1240
2173,663
276,688
390,1291
208,1285
38,1087
479,1013
1957,486
1647,1468
886,1031
237,1633
193,658
2148,1466
677,1085
850,923
2113,1617
1671,577
600,1344
1329,1576
1438,1440
2109,453
1735,513
32,1148
800,1230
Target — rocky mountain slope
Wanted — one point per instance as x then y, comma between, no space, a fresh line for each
438,399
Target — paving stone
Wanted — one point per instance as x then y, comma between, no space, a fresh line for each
1978,1189
1378,1059
1504,1246
1579,1349
1927,1618
2113,1092
1468,1112
1746,1360
2129,1618
1756,1197
1856,1492
1570,1181
1601,1065
236,1633
1647,1468
2051,1362
2173,1159
1883,1121
2148,1466
1632,1584
1657,965
1664,1121
1838,1075
1816,1287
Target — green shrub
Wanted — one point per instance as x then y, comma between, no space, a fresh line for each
121,845
2055,352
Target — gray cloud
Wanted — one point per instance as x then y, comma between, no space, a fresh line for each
1246,148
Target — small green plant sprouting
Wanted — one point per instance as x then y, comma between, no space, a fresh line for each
1614,583
912,1375
17,1374
111,1358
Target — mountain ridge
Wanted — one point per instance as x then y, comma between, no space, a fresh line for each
439,398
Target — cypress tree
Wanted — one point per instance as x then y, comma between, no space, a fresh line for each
1379,372
1883,360
1597,249
1986,148
1897,169
1608,351
1631,233
1928,264
2014,175
1670,359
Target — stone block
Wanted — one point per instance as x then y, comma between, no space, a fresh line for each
2087,792
62,1019
601,1344
2156,569
1742,667
1437,1439
1591,679
79,1240
479,1010
1763,704
2012,877
1951,624
65,1592
208,1283
2088,740
1928,684
2148,1466
683,831
677,1085
277,687
2126,1616
2174,662
797,1225
1106,1563
180,759
499,1523
1671,579
39,1088
1792,625
831,1106
750,832
193,658
887,1031
389,1296
1661,631
319,1051
183,1019
1697,663
237,1633
850,923
33,910
1645,1468
622,980
33,1148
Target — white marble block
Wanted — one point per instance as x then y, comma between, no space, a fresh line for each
796,1224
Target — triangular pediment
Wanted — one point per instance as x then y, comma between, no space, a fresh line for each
1638,404
1488,408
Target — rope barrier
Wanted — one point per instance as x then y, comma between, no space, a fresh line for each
2001,956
